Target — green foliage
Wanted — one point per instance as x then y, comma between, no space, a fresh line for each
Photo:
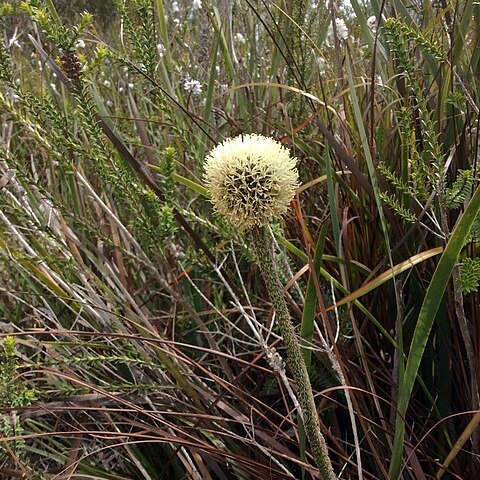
425,153
61,36
5,67
98,60
402,35
138,17
400,186
470,275
396,206
6,74
397,34
457,194
458,100
402,191
6,9
475,231
13,393
167,222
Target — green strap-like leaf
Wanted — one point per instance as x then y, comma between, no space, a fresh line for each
426,317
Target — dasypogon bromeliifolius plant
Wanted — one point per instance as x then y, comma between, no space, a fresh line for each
251,180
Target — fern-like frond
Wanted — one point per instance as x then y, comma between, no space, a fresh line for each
410,33
470,275
396,206
456,195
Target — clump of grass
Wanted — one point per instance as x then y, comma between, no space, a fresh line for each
13,395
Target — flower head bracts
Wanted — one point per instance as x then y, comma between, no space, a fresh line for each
251,179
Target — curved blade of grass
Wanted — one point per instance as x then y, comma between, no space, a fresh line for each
320,179
339,150
425,320
388,275
196,187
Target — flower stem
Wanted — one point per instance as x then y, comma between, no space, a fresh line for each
261,243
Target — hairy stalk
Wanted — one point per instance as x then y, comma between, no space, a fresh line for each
261,244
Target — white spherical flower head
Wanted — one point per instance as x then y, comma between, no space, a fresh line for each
251,179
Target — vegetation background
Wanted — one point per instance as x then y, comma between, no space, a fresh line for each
138,341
